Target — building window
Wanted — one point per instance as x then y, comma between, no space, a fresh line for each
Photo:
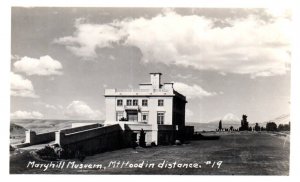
160,102
119,102
160,117
132,115
129,102
135,102
119,116
144,102
145,117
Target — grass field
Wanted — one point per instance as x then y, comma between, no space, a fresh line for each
240,153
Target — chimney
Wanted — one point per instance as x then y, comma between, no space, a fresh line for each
155,80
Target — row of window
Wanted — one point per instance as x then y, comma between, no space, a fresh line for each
145,116
135,102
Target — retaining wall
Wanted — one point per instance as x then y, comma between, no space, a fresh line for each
132,132
189,132
81,128
166,134
91,140
32,138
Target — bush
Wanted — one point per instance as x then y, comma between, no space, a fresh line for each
153,144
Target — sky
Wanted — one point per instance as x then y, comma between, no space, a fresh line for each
227,62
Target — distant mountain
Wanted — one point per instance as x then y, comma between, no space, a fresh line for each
232,120
228,119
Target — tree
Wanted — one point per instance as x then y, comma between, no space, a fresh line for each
256,127
284,127
142,142
244,123
220,125
271,126
231,128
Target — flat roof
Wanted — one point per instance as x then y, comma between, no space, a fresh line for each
155,73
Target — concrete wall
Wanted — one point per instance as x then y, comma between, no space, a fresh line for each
166,134
136,128
189,132
75,125
32,138
92,140
81,128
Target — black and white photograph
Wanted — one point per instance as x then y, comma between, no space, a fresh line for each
150,90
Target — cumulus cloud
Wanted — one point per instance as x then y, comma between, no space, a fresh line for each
244,46
88,37
80,110
192,91
44,66
21,87
26,115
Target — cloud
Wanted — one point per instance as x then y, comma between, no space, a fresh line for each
44,66
15,57
26,115
192,91
189,113
49,106
80,110
248,45
21,87
88,37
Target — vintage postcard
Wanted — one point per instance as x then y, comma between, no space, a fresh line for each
153,91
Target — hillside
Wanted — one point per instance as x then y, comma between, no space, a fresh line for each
46,125
17,130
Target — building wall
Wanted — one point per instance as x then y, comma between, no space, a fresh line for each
179,111
152,108
173,108
110,105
